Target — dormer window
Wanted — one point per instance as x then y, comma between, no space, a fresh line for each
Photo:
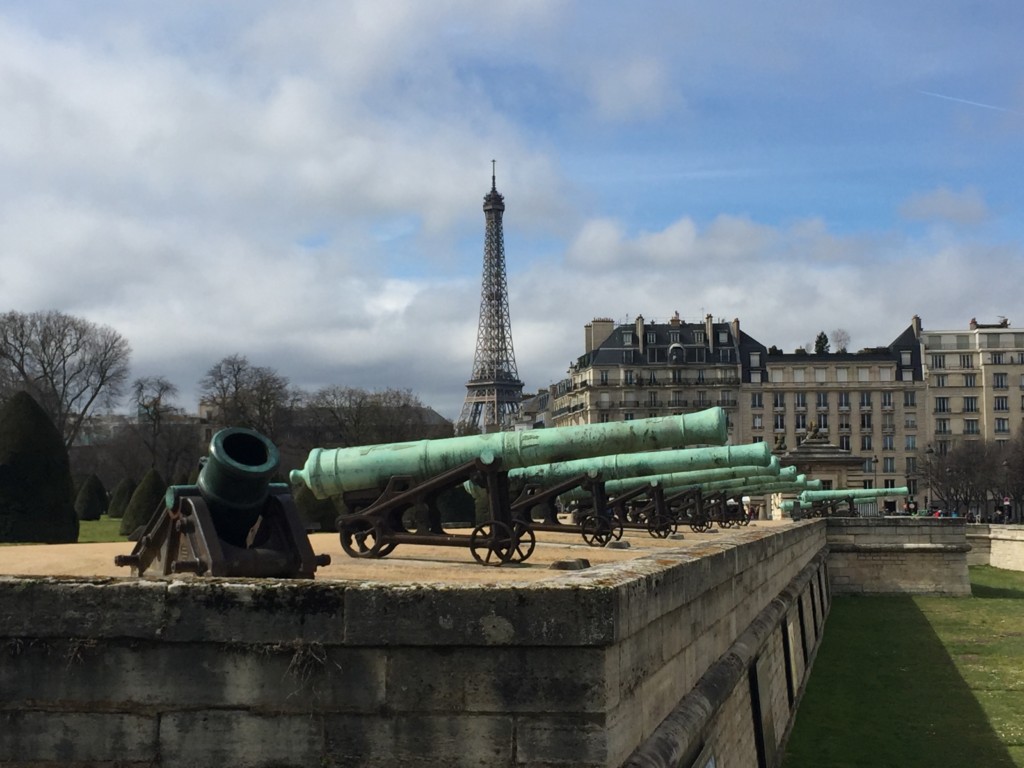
627,338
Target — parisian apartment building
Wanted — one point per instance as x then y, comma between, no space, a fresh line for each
887,405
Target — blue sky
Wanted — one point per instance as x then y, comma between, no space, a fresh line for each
302,182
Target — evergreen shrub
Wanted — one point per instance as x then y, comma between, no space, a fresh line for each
146,500
120,497
91,500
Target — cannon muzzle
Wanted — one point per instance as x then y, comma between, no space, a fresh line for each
332,472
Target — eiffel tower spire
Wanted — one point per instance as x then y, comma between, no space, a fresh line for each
494,391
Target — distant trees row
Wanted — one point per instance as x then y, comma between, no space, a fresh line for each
973,474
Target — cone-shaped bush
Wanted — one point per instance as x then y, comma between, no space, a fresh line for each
120,497
314,511
91,501
35,477
145,501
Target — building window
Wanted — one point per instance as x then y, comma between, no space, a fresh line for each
865,442
823,422
1002,403
799,375
756,400
652,337
970,379
652,399
758,421
822,400
865,420
800,400
673,337
842,375
970,405
885,374
966,361
629,377
602,376
997,358
698,337
844,442
910,399
911,467
778,399
905,358
942,405
865,399
910,443
677,376
627,416
652,378
604,418
800,422
942,426
888,443
627,338
780,422
1002,426
910,421
889,465
844,422
844,401
776,375
887,399
940,380
863,374
971,427
820,375
755,360
999,381
938,361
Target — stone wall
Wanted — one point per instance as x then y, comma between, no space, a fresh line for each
1001,546
587,668
898,555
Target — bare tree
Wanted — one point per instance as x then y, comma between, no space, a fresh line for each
347,416
841,338
246,395
69,364
169,438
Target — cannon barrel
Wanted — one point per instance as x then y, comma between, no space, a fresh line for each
620,466
757,485
669,480
234,480
331,472
851,493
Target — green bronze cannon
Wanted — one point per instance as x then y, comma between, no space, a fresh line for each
817,503
393,491
233,522
333,472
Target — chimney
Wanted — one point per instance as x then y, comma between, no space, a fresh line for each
675,321
640,333
709,330
915,324
597,332
736,331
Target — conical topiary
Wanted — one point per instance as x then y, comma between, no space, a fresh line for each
120,497
91,500
35,477
147,499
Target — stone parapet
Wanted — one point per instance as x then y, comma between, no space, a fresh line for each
578,669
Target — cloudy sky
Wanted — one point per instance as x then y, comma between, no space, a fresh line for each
302,182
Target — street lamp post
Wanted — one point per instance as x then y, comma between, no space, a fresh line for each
929,453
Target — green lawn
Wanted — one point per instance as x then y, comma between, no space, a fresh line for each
918,681
104,529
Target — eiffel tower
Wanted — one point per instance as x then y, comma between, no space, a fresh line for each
494,391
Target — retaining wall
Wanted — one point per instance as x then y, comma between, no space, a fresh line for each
1001,546
702,650
905,555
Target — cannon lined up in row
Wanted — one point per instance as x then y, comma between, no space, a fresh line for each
539,491
836,503
392,491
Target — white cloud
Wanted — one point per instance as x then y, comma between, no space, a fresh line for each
946,205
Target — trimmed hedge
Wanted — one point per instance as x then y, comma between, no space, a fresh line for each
147,499
91,500
120,497
36,501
